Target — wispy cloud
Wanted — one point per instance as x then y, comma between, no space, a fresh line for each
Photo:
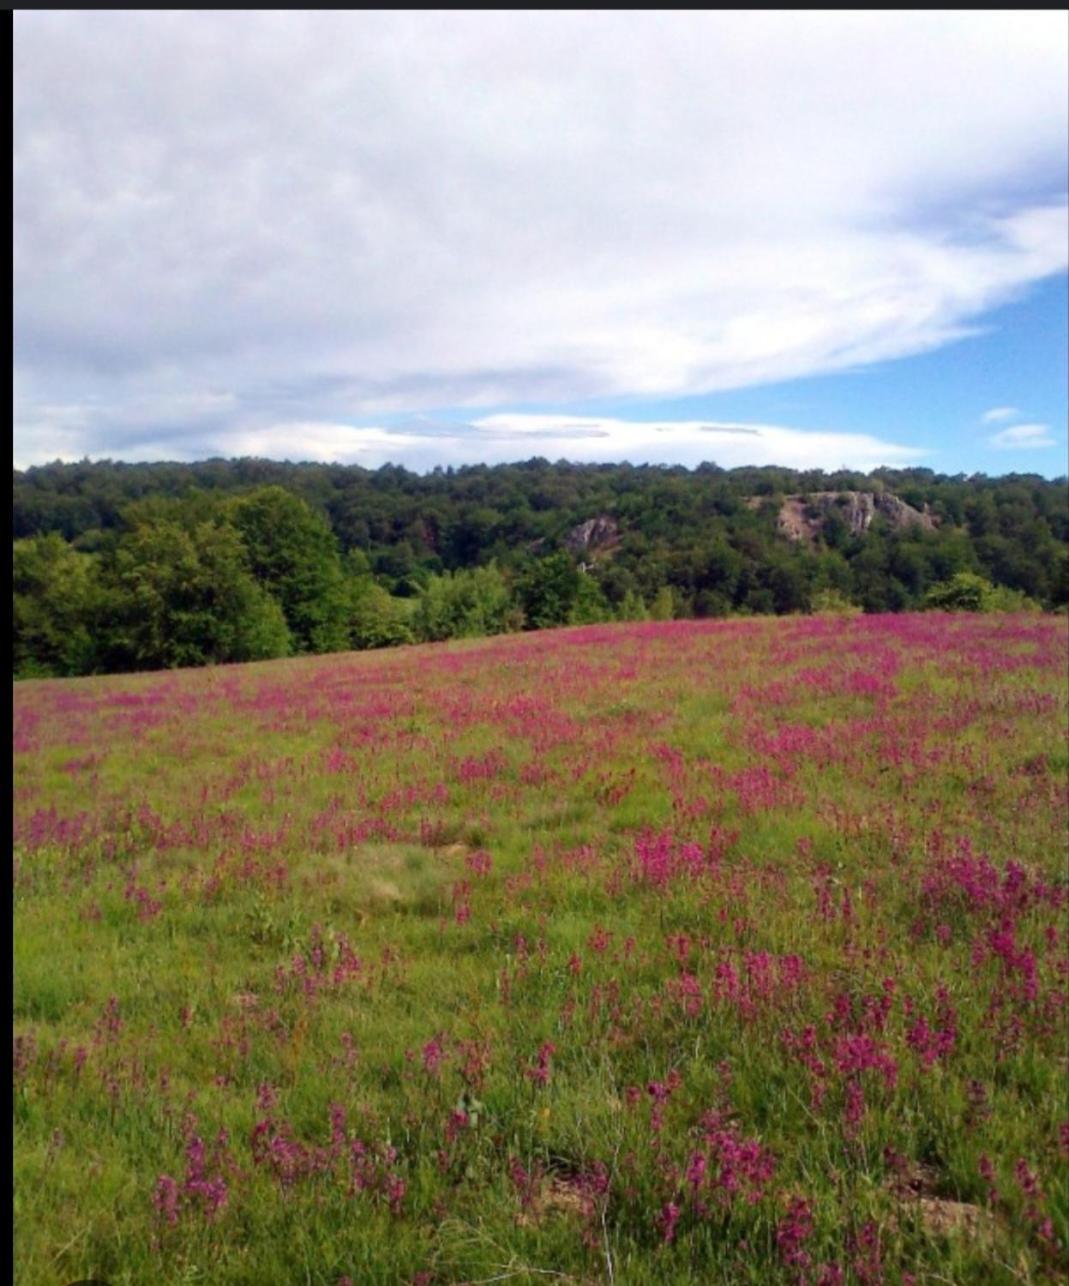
339,216
502,438
998,413
1021,436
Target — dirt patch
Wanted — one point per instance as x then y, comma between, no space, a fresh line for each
372,878
942,1218
916,1186
914,1179
557,1196
383,891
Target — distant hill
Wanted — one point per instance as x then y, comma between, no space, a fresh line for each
370,557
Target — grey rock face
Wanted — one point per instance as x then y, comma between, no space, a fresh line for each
802,518
594,534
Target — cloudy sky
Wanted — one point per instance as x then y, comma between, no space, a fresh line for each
440,238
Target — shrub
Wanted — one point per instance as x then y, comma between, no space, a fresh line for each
834,603
968,592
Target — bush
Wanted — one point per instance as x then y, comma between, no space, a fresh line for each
968,592
632,608
378,619
589,607
465,604
831,602
1003,599
663,607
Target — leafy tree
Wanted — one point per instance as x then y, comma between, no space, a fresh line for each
788,582
376,619
711,603
949,551
909,566
472,532
831,571
721,571
55,599
465,604
632,608
188,510
174,597
835,531
1003,599
759,602
708,538
831,602
356,565
1060,579
589,606
548,591
663,607
968,592
294,555
964,592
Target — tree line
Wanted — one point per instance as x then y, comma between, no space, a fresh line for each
122,567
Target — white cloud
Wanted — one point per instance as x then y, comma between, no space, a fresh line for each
498,439
998,413
691,442
330,216
1023,436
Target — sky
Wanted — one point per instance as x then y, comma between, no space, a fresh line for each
442,238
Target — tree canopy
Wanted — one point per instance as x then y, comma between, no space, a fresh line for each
141,565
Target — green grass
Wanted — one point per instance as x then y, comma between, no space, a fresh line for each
175,960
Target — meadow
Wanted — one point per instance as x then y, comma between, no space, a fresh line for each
717,951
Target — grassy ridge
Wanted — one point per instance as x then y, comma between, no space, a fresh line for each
671,952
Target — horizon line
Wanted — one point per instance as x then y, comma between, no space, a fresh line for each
432,470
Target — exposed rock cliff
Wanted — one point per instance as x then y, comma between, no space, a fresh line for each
595,536
804,517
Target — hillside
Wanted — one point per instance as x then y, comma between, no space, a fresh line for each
125,567
674,951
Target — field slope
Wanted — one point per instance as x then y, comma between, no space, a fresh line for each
683,952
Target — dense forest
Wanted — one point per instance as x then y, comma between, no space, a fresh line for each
140,566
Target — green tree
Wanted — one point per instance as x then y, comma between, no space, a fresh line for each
632,608
55,598
465,604
663,607
376,618
968,592
294,555
589,606
174,597
548,591
1060,579
723,567
834,529
832,602
473,531
711,535
787,580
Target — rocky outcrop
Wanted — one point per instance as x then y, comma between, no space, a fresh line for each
803,517
595,536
